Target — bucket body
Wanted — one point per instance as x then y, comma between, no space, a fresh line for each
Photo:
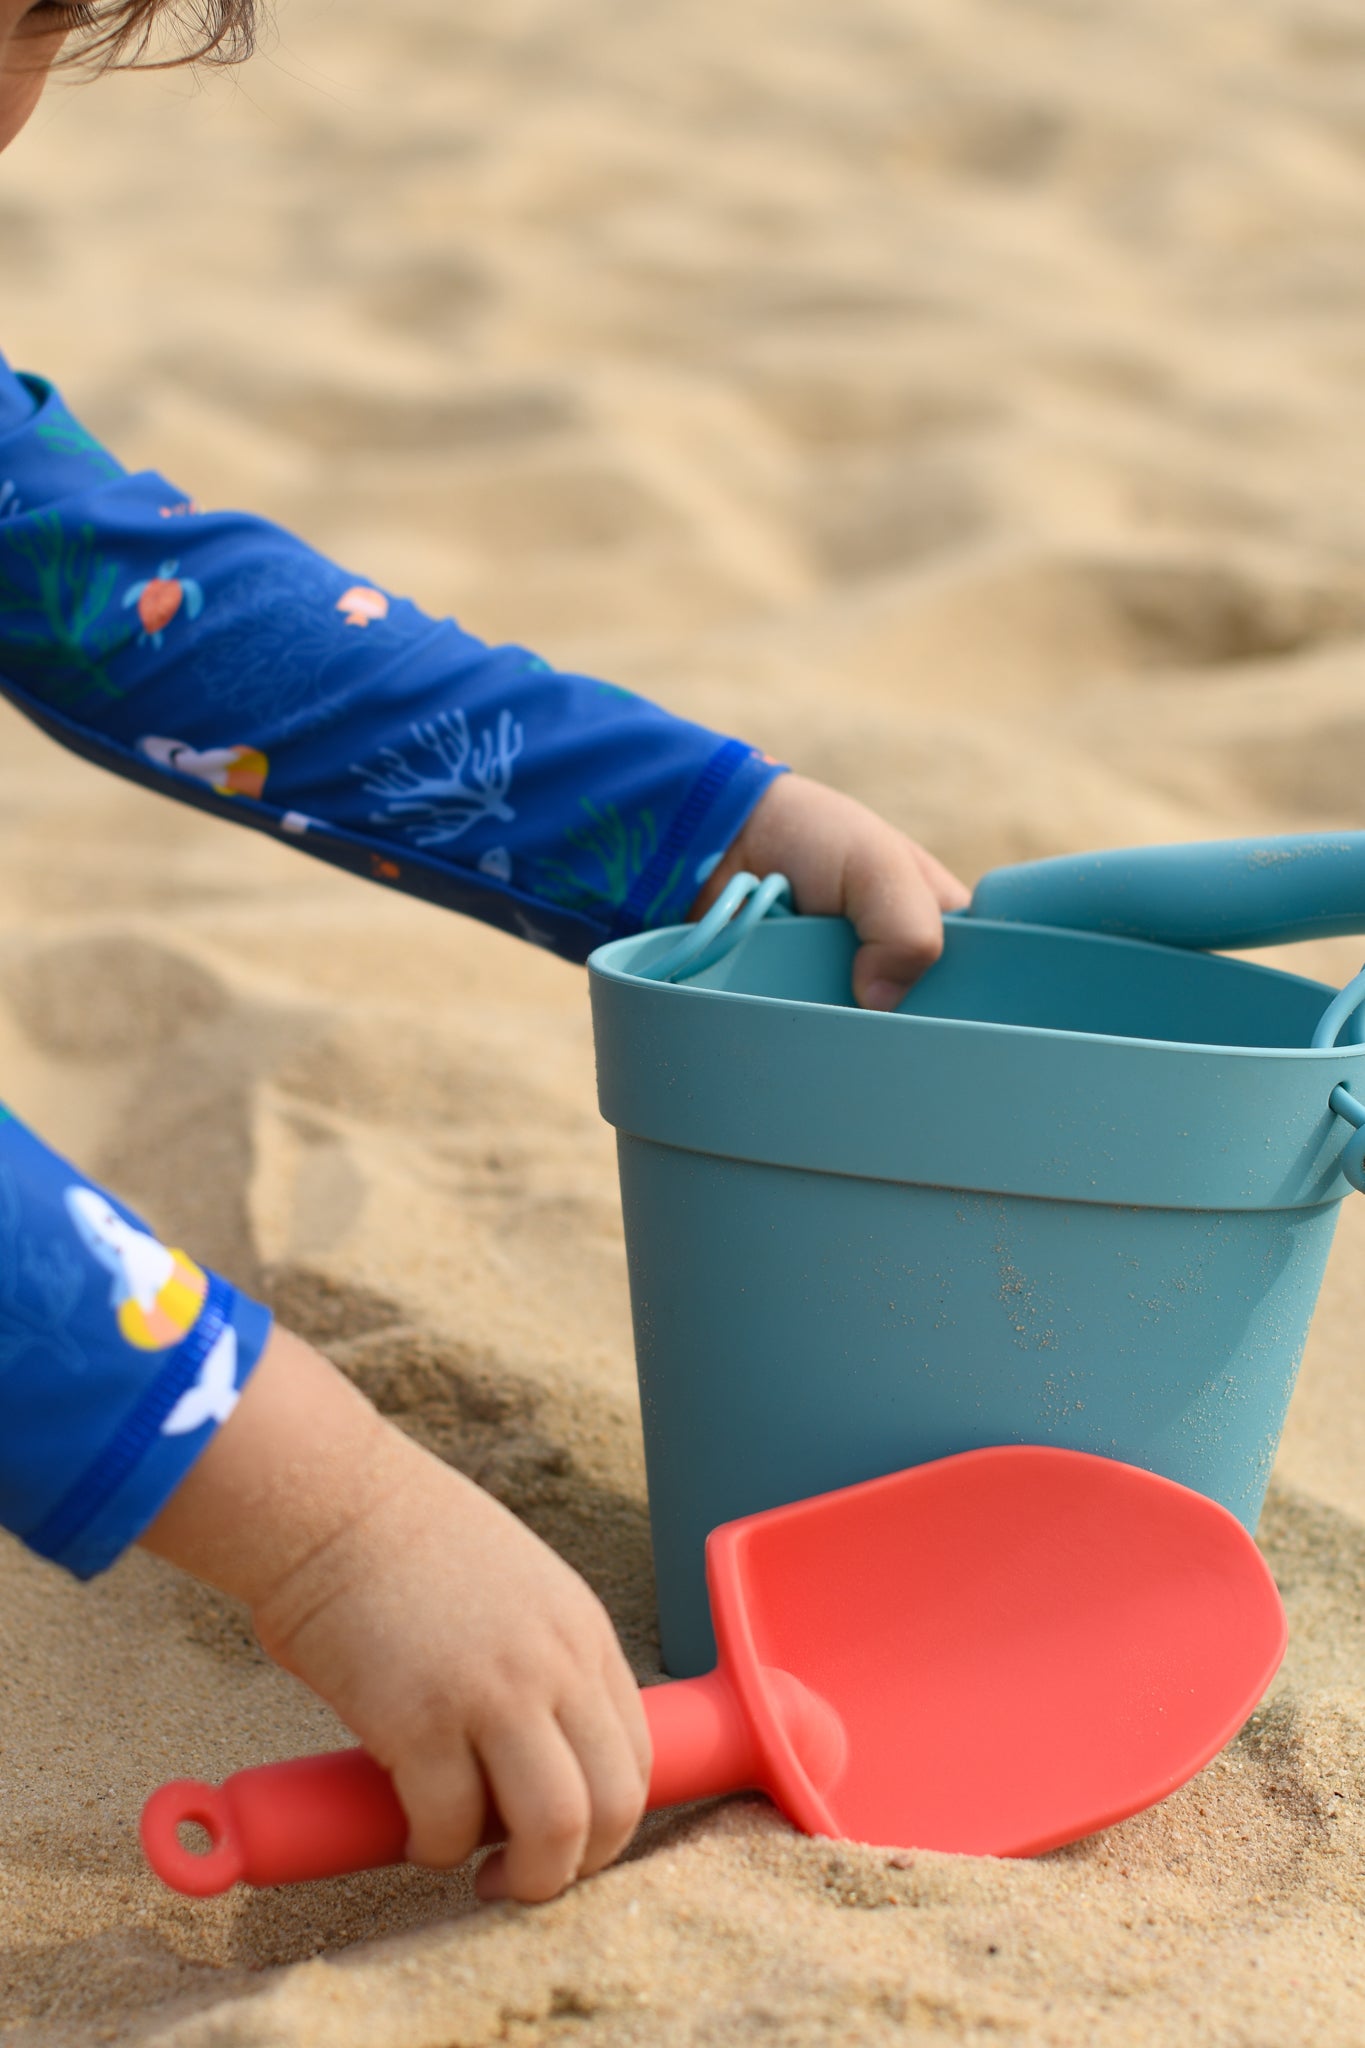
1078,1190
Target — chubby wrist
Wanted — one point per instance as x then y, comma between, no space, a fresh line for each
302,1458
762,841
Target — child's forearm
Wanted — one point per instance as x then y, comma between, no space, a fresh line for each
224,662
469,1660
301,1458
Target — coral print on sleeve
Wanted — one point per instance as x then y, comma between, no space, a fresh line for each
450,782
246,674
261,656
63,436
56,586
156,1293
605,856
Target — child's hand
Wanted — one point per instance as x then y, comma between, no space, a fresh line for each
468,1658
843,860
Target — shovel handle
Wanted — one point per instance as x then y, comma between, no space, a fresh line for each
314,1816
322,1816
1215,893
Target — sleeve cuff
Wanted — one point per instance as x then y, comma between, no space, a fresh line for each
706,826
159,1439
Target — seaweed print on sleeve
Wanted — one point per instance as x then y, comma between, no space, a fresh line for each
216,658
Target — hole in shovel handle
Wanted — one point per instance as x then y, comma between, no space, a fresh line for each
169,1814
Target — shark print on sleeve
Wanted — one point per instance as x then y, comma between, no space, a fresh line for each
214,1394
119,1357
216,659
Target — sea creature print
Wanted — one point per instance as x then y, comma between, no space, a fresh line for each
213,1396
231,771
157,1292
56,590
63,436
360,604
11,504
604,860
452,781
161,597
535,934
269,672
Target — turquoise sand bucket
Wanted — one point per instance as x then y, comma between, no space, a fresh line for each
1079,1190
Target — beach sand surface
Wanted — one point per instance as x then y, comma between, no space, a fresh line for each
963,400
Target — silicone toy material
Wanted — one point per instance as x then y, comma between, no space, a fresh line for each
1078,1190
1218,893
992,1654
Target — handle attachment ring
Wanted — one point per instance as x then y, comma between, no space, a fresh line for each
741,904
1343,1008
1352,1111
1343,1011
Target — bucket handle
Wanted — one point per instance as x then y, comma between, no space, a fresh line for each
1344,1008
721,929
745,901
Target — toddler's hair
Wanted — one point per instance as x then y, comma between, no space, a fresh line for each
117,35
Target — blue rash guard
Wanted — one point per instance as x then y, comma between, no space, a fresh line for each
215,658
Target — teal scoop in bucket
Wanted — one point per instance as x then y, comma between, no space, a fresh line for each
1078,1190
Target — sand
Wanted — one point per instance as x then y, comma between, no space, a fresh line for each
963,400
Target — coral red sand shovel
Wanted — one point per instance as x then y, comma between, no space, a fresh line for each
994,1654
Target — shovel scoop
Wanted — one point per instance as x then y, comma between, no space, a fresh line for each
992,1654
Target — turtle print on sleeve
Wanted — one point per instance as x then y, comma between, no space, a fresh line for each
217,659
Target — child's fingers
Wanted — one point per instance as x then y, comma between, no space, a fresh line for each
949,892
616,1783
539,1788
446,1802
625,1696
896,914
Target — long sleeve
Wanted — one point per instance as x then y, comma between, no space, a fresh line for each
218,659
119,1358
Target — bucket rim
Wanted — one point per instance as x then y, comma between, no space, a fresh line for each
600,963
